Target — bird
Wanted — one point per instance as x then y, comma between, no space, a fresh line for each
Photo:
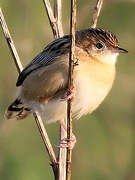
43,82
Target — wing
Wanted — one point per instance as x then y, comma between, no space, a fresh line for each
49,55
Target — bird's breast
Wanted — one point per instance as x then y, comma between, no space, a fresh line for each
92,81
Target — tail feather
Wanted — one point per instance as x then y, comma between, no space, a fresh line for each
17,110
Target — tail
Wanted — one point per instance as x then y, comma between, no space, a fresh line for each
17,110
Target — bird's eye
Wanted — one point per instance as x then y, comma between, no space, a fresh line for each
99,45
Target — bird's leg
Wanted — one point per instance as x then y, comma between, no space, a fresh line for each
70,143
69,94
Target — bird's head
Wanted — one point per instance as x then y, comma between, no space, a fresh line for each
100,44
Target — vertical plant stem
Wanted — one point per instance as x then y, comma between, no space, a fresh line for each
56,25
96,13
37,117
47,143
62,154
58,16
51,18
10,42
70,85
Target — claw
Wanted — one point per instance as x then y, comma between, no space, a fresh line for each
68,143
69,94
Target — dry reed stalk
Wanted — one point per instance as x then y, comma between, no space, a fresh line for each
96,13
57,29
37,117
58,16
10,42
70,86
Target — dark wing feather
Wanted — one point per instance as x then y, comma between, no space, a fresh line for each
50,54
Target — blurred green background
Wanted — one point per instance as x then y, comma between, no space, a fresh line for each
106,139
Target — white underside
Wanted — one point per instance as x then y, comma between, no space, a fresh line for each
87,98
112,57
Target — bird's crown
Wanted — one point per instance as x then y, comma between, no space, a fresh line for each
105,36
92,35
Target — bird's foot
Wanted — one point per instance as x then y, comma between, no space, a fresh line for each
69,94
68,143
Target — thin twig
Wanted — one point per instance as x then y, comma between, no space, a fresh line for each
70,85
62,154
56,26
58,16
10,43
38,119
57,29
47,143
96,13
51,18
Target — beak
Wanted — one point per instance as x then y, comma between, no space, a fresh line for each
121,50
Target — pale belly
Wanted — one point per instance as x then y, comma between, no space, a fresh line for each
90,92
88,97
